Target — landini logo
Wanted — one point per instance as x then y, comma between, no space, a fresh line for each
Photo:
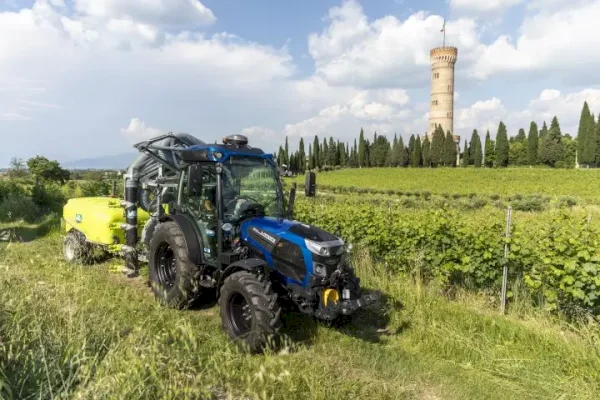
265,235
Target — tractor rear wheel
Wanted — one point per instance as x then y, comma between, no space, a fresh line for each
76,250
173,276
250,311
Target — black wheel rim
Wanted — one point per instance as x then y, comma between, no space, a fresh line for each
240,315
166,268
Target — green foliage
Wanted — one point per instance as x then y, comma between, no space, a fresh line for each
551,149
95,188
563,264
586,137
437,147
379,151
501,149
362,158
426,151
490,153
557,258
416,159
532,144
517,154
449,151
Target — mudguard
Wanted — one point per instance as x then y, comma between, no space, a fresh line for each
247,264
191,234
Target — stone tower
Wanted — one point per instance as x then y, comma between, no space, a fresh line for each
441,109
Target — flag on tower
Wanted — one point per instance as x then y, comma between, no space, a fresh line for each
444,26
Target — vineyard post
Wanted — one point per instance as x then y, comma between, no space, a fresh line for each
505,267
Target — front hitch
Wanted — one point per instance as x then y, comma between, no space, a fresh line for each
346,307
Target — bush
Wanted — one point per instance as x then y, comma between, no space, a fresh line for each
17,208
566,202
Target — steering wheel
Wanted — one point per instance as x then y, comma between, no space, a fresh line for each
237,198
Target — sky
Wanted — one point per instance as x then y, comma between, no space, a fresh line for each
87,78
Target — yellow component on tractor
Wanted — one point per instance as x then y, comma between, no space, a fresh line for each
330,296
99,219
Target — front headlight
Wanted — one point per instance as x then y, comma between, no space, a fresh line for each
317,248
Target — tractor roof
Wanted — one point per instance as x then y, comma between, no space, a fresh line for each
234,145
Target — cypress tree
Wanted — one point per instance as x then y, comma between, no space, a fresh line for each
543,134
521,136
280,156
472,144
465,155
490,154
501,146
552,148
394,154
325,153
583,136
316,156
355,154
477,151
301,156
401,150
449,150
416,155
411,145
286,153
437,146
426,152
569,149
311,159
591,142
362,157
532,144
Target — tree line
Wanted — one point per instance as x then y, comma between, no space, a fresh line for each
546,146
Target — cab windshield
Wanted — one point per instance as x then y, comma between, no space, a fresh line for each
248,181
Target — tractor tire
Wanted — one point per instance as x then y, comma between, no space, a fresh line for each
173,277
76,250
250,311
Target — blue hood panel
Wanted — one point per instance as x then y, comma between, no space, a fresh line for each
266,235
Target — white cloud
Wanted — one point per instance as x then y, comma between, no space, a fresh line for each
484,115
137,131
483,6
154,12
562,41
386,52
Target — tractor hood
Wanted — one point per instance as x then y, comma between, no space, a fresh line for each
292,247
269,230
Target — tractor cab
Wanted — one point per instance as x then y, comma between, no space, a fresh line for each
220,186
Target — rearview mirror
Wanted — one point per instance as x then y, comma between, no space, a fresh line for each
194,182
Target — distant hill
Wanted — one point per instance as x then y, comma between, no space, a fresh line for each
118,161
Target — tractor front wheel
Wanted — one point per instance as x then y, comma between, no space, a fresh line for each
250,311
172,274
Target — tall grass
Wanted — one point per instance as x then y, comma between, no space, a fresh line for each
82,332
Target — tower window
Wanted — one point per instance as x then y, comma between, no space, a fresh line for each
449,114
450,87
434,102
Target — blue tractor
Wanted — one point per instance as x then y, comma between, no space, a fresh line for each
219,224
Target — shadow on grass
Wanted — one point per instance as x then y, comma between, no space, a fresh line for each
368,324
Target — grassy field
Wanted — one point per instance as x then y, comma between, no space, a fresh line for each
88,332
583,183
